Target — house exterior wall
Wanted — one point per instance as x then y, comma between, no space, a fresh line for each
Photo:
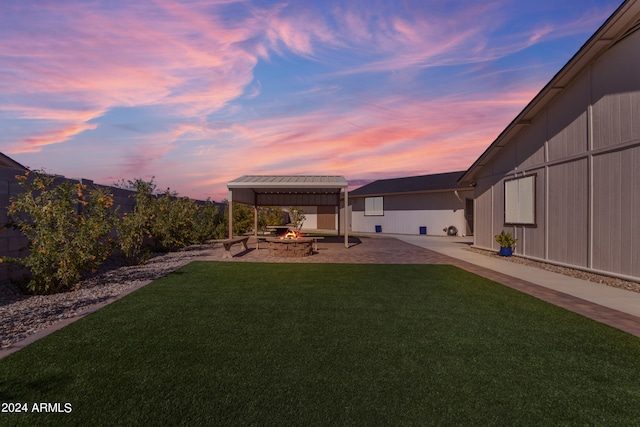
406,213
311,218
315,215
567,220
616,213
584,148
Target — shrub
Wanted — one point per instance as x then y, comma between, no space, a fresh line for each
68,228
167,220
208,222
242,220
136,226
269,215
174,221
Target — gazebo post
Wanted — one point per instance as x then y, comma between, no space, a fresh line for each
346,222
255,221
230,201
339,221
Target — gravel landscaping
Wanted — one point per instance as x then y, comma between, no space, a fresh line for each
572,272
24,315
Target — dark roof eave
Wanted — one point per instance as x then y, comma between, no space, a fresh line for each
412,184
398,193
11,163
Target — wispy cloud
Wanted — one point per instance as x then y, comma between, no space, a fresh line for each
168,56
204,91
394,137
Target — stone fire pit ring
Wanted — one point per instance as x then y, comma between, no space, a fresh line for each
291,248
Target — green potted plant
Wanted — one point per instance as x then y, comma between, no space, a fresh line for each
506,242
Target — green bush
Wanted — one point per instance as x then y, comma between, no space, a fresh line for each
243,220
134,228
269,215
208,222
174,222
68,228
167,221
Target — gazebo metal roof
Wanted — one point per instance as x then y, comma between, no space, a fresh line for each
284,190
281,181
289,190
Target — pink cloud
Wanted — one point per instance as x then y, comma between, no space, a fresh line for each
176,58
184,61
49,113
405,137
38,140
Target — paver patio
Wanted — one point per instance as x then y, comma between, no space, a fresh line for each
378,250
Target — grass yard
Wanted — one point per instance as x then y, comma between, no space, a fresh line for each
324,344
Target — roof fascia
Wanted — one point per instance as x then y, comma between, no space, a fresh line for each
399,193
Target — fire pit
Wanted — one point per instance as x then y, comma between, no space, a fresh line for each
290,245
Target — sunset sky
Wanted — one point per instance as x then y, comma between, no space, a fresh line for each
197,93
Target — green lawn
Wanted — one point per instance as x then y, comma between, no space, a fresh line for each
320,344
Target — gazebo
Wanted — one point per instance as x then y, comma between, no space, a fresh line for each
289,190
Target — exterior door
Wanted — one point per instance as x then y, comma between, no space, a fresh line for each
468,215
326,217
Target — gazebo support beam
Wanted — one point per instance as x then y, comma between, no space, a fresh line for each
345,216
255,221
230,201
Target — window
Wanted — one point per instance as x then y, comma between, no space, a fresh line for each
520,201
373,206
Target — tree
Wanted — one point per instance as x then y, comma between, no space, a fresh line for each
297,216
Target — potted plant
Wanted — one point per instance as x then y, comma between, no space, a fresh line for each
506,242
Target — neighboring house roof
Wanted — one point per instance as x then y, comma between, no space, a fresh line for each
10,163
624,21
412,184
